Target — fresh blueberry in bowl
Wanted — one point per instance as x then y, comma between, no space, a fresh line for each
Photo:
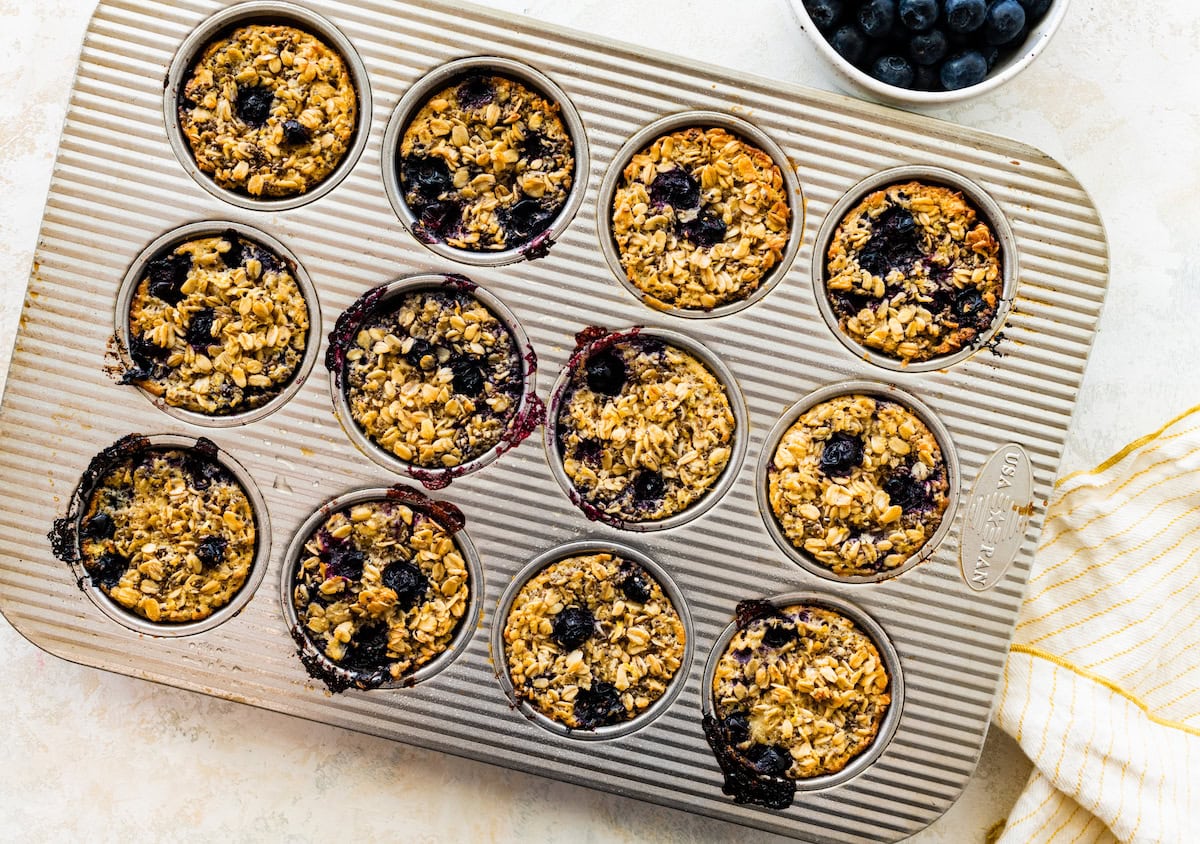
850,43
825,13
893,70
876,17
928,48
965,15
918,15
1004,23
963,70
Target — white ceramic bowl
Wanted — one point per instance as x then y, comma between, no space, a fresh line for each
859,82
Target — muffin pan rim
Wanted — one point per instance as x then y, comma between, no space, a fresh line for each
306,20
467,625
575,548
259,563
876,632
209,228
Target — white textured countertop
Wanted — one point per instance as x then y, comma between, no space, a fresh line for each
95,756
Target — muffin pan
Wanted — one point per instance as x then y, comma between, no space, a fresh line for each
119,184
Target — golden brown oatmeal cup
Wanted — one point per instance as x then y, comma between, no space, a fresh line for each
700,217
268,110
592,640
914,271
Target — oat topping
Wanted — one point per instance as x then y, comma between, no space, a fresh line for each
592,640
644,429
168,534
700,217
435,379
913,272
859,483
800,692
217,325
486,164
380,590
268,110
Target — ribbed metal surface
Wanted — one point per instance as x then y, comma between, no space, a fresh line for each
117,186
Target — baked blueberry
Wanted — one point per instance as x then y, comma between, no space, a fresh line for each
918,15
771,760
440,220
468,377
475,92
841,454
526,220
906,492
876,17
368,650
211,550
1005,21
295,132
199,333
677,188
347,562
253,104
422,354
167,276
970,308
704,230
777,634
235,255
598,706
894,243
634,584
573,626
649,488
428,176
738,726
99,526
965,15
605,373
408,582
108,569
963,70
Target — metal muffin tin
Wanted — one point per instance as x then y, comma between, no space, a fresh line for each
119,184
577,549
196,231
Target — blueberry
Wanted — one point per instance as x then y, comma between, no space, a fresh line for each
475,92
598,706
928,48
253,105
925,79
439,220
905,492
1034,9
108,569
200,329
991,55
526,220
963,70
572,627
777,635
918,15
675,187
211,550
737,725
893,70
894,243
145,353
634,584
965,15
368,648
232,258
99,526
295,132
606,373
468,377
773,760
167,276
202,470
345,561
705,231
824,13
589,451
649,487
1005,20
876,17
850,43
535,146
426,175
419,351
408,582
842,453
970,307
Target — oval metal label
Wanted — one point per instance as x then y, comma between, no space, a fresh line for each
997,513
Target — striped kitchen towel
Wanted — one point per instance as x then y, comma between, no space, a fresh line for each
1102,686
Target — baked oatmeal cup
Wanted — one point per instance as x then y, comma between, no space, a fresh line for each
592,640
858,485
380,588
797,693
218,324
914,271
167,532
700,218
645,428
268,110
487,162
433,376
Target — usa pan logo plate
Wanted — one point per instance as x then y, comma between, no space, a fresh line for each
998,511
